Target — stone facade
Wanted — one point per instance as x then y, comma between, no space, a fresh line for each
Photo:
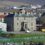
29,23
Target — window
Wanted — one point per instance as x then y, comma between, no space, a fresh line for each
17,18
32,18
17,23
32,24
24,18
25,25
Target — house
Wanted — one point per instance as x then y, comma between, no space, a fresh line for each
3,26
21,21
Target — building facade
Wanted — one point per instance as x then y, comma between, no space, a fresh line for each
27,22
24,22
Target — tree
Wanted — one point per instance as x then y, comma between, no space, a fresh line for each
42,19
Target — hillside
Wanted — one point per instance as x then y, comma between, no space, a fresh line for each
10,3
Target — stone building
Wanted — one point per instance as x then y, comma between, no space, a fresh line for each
24,22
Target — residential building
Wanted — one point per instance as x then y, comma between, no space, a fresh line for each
3,26
26,21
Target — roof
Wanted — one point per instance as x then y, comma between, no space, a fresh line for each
20,15
24,15
10,15
2,16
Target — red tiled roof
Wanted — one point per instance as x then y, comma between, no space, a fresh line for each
2,16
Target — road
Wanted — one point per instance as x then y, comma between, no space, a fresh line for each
33,32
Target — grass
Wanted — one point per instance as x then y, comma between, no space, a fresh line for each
20,35
23,37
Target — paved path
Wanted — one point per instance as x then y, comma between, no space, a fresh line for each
33,32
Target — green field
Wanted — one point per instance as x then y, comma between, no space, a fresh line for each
26,37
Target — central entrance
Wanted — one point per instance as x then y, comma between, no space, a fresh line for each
23,26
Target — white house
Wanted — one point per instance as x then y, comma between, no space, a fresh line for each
3,26
24,22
